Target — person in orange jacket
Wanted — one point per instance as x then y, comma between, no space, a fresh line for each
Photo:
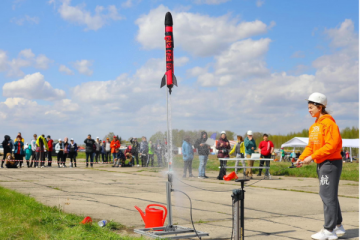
324,149
115,144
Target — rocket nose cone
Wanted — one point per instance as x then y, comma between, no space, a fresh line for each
168,19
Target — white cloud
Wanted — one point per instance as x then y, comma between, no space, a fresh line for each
78,14
83,67
244,59
26,58
259,3
210,2
26,18
197,34
181,61
32,86
65,70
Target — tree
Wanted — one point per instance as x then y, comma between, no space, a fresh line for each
110,135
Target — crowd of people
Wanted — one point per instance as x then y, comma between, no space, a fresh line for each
39,152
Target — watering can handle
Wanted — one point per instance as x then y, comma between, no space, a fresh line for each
158,205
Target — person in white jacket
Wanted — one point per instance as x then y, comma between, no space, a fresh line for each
59,149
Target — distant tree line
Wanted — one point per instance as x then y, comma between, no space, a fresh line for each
277,139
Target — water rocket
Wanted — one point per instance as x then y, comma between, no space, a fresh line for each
169,78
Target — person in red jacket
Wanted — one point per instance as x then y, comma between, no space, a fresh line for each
223,147
50,145
115,144
266,148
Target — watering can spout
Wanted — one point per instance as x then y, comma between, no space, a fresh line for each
141,212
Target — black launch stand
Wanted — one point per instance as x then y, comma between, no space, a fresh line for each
238,198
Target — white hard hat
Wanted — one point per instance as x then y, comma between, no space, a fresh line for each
223,132
97,137
71,139
60,139
318,98
249,132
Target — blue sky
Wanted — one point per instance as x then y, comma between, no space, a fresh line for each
74,67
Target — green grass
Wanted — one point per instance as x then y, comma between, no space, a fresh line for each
21,217
350,170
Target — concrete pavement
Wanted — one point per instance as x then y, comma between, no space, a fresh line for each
281,208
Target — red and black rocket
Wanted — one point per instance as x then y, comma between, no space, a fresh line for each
169,78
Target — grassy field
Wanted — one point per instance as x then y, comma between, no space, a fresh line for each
350,170
21,217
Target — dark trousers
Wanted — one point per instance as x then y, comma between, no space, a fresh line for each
136,155
63,160
103,157
143,159
91,155
60,157
107,156
188,167
159,159
33,158
72,156
19,159
40,159
97,156
151,159
49,158
262,164
329,176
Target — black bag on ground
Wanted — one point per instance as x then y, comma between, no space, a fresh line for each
222,173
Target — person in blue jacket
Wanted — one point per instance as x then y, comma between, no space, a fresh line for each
19,150
188,156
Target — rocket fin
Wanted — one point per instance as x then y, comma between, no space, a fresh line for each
163,81
174,80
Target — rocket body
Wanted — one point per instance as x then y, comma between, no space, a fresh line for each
169,78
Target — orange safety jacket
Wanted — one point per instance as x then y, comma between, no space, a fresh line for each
114,145
325,142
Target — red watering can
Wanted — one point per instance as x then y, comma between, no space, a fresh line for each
230,176
153,217
87,220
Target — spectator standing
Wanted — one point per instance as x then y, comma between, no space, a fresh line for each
158,152
33,148
144,150
188,156
41,146
250,146
347,155
223,147
107,150
103,151
239,151
59,149
66,151
324,149
18,151
97,149
115,144
89,150
72,151
8,146
282,154
28,153
266,148
50,146
151,153
135,149
203,151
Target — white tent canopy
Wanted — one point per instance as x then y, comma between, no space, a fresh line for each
303,142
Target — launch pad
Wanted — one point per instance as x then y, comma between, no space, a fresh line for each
170,231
